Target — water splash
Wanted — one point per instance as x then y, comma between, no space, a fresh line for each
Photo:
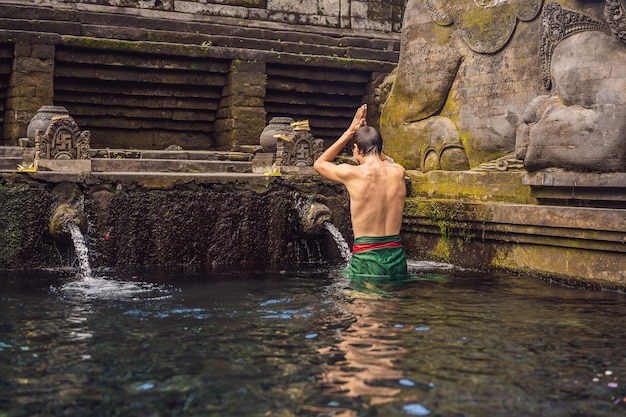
89,287
80,248
108,288
339,240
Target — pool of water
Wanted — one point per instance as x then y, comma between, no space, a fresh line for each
308,343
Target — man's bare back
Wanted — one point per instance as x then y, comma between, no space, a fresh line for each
376,186
377,194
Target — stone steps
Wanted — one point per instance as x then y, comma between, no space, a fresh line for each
12,156
126,160
168,165
8,163
11,151
170,154
182,161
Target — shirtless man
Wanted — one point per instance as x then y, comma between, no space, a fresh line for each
377,193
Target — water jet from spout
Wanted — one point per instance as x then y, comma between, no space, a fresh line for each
342,245
80,248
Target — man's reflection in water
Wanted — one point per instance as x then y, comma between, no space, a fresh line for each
361,361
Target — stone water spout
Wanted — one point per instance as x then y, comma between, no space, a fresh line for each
313,215
312,222
67,209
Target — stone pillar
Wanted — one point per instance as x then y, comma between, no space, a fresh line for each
31,86
241,116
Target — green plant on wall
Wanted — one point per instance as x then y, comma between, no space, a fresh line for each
448,217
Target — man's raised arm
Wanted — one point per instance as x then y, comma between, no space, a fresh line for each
324,164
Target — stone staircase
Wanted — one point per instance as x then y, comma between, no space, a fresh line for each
12,156
143,161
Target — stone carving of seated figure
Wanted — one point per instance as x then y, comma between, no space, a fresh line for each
581,125
468,88
467,70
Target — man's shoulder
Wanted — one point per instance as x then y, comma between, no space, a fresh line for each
399,169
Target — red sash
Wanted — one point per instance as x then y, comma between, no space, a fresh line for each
362,247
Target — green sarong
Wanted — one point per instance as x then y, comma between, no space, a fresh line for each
378,257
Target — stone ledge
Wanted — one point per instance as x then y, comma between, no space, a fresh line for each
559,178
471,185
523,219
167,165
64,165
590,189
585,246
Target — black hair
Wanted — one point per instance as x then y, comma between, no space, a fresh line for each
368,140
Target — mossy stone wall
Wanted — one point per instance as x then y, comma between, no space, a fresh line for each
251,221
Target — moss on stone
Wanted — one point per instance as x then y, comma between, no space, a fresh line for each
471,185
138,47
24,213
442,34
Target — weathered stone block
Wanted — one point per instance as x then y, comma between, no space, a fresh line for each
254,93
30,104
224,125
22,91
22,49
303,7
329,7
244,100
244,127
43,51
243,78
32,65
77,165
210,9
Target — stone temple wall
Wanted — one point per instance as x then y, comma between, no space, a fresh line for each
197,74
376,15
357,14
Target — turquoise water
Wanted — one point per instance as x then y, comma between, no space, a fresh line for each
307,343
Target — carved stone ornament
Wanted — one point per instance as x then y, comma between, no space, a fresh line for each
615,14
62,140
276,126
299,149
506,163
557,24
485,25
42,119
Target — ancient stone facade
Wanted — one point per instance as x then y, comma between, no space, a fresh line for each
200,75
478,80
356,14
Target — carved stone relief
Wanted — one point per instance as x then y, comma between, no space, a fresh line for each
467,70
485,25
615,14
62,139
446,98
581,125
298,149
557,24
